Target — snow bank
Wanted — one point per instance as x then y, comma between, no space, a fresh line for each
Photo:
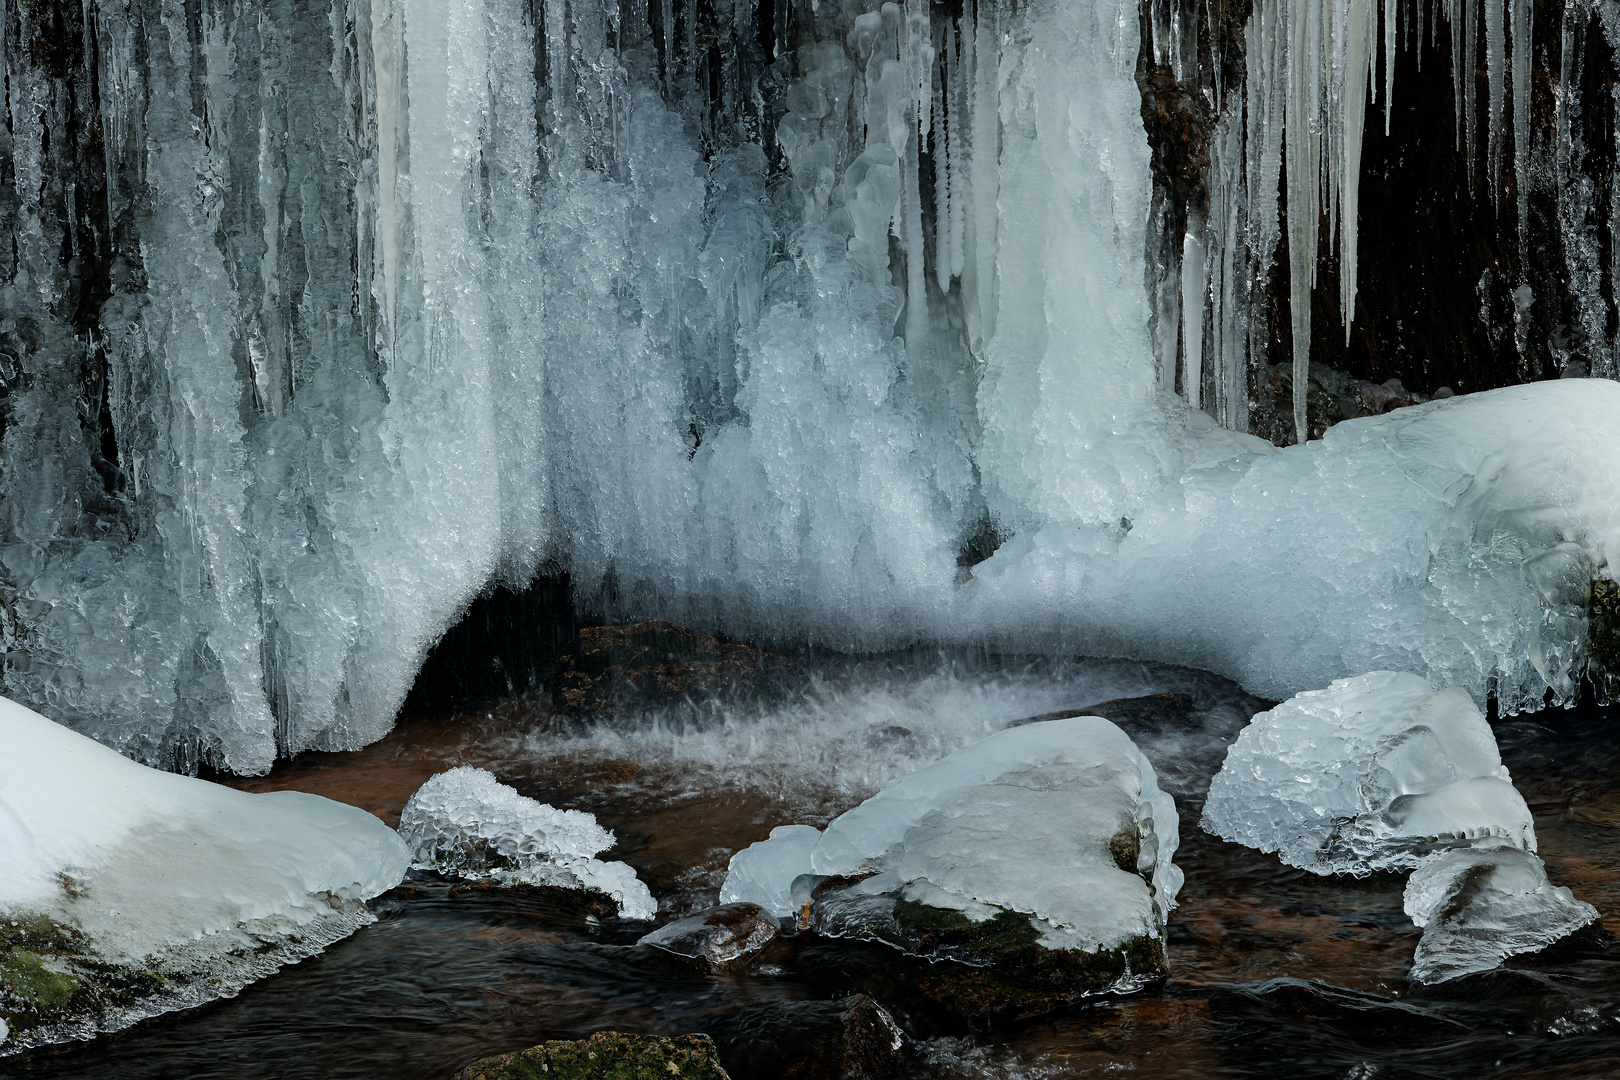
1455,540
466,823
208,886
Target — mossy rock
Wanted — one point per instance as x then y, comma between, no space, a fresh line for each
982,972
26,976
607,1055
853,1038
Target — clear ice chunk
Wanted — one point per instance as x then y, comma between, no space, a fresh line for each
467,824
1062,820
763,873
1376,772
1481,905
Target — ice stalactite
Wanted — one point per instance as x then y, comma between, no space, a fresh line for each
1311,68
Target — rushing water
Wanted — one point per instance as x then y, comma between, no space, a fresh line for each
1275,972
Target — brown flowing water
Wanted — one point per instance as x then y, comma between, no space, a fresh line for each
1275,972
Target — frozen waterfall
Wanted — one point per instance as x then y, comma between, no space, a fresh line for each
321,317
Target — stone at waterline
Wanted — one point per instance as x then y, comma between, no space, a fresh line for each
607,1055
852,1038
1477,907
763,872
718,939
1034,867
465,823
1376,772
126,892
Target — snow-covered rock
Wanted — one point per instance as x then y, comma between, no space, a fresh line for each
1481,905
107,862
1376,772
466,823
762,873
1060,824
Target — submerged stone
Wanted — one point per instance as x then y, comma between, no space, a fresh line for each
607,1055
853,1038
723,937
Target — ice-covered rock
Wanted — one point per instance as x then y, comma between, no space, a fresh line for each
718,938
110,870
1480,905
1055,831
762,873
1375,772
466,823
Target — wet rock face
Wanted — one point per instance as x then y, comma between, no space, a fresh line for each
644,665
1603,636
722,938
607,1055
983,972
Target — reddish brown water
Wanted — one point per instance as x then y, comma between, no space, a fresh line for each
1277,973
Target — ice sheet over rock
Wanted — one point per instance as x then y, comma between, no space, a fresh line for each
1375,772
1480,905
466,823
204,885
762,873
1062,820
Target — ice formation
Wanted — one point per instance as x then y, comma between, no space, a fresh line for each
1480,905
468,824
762,873
1090,860
1296,123
197,883
1377,772
410,297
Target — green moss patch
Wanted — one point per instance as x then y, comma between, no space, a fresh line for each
25,975
607,1055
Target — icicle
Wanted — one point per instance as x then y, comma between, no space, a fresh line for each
1495,72
1520,14
1192,310
942,159
1391,8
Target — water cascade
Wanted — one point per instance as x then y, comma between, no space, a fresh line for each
319,319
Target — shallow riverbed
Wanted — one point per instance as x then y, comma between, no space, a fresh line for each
1275,972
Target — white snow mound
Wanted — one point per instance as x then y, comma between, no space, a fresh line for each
1479,906
1376,772
1026,820
466,823
210,886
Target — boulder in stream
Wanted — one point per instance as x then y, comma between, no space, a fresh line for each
126,892
1033,867
607,1055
